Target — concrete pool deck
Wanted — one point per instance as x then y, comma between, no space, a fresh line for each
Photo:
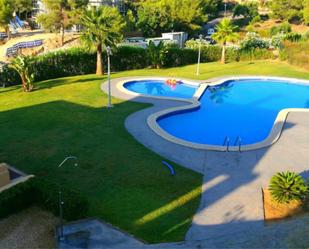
231,202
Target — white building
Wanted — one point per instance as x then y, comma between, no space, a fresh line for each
178,38
38,8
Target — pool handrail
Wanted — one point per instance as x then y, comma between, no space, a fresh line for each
238,142
227,143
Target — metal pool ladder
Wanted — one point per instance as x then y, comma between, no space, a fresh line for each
238,143
227,143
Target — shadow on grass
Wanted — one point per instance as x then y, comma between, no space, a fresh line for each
121,178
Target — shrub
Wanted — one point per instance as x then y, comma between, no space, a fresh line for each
283,28
283,55
194,44
287,186
22,65
253,41
277,41
233,54
297,53
154,54
293,37
255,19
128,58
172,57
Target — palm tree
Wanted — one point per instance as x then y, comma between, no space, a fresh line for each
22,65
225,33
102,27
6,14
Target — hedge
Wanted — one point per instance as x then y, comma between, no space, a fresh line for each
37,191
78,61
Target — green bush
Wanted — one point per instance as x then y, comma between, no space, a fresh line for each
287,186
128,58
253,41
282,28
211,53
39,192
255,19
293,37
233,54
172,57
277,41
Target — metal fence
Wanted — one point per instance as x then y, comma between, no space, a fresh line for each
30,44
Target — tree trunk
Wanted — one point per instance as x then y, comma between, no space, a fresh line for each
62,35
24,83
7,31
99,60
223,53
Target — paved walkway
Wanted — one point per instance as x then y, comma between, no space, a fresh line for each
231,203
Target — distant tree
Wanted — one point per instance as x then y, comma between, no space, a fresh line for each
155,17
102,27
130,21
225,33
6,14
290,10
22,6
61,14
211,7
247,10
187,15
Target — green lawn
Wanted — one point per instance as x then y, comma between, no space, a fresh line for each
126,183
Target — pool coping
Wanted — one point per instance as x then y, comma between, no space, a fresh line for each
193,103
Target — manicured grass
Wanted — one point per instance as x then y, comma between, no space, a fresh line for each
126,183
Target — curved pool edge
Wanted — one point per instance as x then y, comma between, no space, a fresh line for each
120,86
273,136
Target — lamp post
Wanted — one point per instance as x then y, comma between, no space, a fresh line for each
199,55
109,52
225,9
61,202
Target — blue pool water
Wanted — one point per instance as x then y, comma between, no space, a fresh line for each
160,88
244,108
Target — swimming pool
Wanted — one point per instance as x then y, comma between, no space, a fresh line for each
242,111
161,88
